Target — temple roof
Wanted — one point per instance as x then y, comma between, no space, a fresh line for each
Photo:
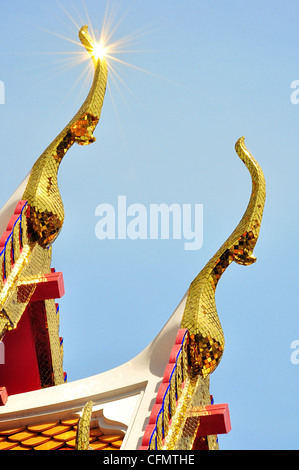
54,435
159,400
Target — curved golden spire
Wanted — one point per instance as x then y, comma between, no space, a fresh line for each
200,316
83,429
46,212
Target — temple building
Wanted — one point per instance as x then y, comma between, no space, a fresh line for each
161,399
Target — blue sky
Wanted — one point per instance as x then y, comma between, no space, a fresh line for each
205,73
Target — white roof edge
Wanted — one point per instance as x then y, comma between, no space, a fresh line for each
8,209
139,376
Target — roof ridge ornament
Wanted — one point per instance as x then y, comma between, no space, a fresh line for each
46,212
83,429
200,315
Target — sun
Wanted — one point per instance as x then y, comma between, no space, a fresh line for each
106,44
99,50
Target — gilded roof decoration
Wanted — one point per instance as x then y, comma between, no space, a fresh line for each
183,397
25,247
200,315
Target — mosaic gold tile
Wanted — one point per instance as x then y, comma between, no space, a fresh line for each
26,250
200,315
45,206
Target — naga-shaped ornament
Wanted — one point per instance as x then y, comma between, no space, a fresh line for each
83,429
46,212
200,315
25,252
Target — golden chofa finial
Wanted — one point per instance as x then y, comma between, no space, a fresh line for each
200,316
45,207
97,50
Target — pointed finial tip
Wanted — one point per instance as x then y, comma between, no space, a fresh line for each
85,38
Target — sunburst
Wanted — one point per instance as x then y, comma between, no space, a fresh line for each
107,45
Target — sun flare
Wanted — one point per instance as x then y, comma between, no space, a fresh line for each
107,42
99,50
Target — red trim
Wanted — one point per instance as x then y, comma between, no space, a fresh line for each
21,370
20,206
4,238
20,373
158,406
214,419
3,396
50,287
12,221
